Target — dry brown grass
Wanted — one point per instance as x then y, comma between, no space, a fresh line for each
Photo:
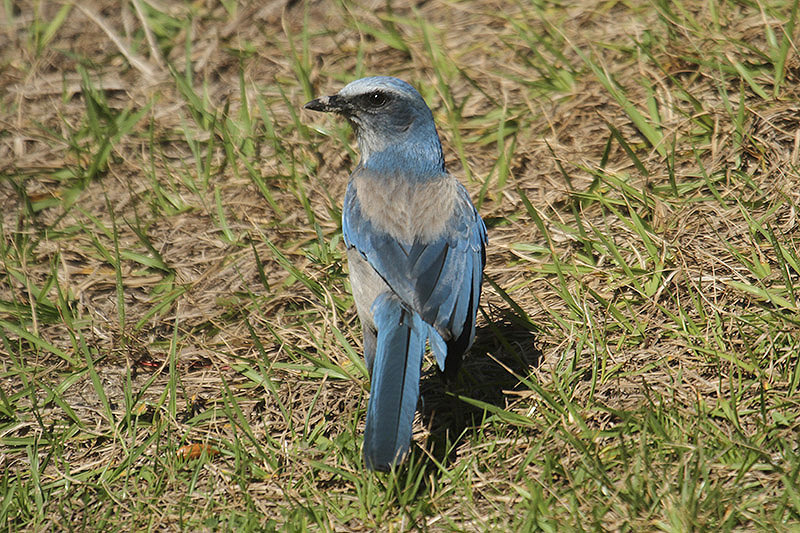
671,407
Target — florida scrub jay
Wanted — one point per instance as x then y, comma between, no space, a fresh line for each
416,252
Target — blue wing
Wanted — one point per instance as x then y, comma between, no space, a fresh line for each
440,279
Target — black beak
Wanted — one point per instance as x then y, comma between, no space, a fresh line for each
327,104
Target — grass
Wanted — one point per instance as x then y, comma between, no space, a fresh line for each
180,346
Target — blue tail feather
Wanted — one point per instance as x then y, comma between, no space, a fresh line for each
395,382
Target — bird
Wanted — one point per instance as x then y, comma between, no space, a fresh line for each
416,250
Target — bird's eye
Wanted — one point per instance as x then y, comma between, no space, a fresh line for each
375,100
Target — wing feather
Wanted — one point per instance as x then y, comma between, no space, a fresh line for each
440,279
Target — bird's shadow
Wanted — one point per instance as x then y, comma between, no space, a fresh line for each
504,350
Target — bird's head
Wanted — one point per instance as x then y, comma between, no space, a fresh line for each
393,125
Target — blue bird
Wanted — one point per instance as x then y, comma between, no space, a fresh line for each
416,248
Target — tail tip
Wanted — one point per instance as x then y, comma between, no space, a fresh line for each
377,461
